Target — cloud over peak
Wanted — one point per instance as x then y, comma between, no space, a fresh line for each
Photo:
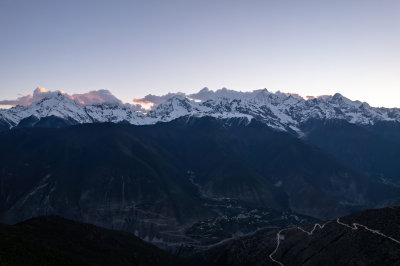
89,98
96,97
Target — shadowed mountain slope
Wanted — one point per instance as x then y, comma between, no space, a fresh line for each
372,149
159,180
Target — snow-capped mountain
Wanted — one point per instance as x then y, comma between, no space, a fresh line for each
282,111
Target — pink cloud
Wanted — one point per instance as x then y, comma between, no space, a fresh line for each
37,95
151,100
96,97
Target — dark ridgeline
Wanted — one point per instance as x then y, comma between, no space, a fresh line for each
53,240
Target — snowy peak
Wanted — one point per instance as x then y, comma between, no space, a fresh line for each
62,106
58,105
172,108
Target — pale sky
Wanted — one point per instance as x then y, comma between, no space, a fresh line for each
134,48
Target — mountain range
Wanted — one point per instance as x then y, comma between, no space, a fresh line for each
282,111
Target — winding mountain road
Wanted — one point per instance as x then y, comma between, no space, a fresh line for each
353,226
